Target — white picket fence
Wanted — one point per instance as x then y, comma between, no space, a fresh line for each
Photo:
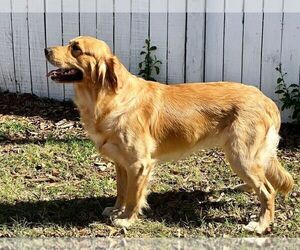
197,40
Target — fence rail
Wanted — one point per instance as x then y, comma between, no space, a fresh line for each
197,40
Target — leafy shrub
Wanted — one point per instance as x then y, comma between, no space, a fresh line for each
289,95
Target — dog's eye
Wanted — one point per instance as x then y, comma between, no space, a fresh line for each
75,47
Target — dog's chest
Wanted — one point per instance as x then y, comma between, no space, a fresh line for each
92,126
88,114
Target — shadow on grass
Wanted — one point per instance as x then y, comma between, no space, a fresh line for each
192,208
174,207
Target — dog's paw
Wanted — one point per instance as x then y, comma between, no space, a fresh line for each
112,211
254,226
251,226
122,222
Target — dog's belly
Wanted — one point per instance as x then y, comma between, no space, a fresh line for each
178,151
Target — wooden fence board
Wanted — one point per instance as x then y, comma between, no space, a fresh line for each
88,17
36,29
252,42
271,47
7,74
159,34
214,40
21,46
105,21
139,32
233,40
176,41
70,23
123,30
54,38
195,43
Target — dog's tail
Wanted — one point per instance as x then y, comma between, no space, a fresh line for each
280,179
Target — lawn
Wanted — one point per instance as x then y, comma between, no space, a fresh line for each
53,183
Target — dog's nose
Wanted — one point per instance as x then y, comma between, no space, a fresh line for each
47,51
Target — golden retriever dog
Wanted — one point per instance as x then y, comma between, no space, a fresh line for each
138,124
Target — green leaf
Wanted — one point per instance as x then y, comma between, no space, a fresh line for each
153,48
142,53
294,86
157,69
280,91
279,80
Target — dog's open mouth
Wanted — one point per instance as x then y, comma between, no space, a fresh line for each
65,75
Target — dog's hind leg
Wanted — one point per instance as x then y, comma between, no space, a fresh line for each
250,157
254,176
120,204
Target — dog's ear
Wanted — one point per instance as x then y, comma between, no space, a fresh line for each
104,73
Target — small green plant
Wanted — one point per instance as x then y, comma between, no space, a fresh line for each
289,95
150,62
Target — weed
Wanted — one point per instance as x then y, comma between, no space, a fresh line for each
289,95
150,63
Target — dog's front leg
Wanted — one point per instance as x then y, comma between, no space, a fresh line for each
112,152
119,206
137,180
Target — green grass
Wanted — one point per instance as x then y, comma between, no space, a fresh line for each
51,186
12,127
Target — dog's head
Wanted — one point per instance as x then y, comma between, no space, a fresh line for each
84,59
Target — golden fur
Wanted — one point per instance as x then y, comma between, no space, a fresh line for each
138,123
